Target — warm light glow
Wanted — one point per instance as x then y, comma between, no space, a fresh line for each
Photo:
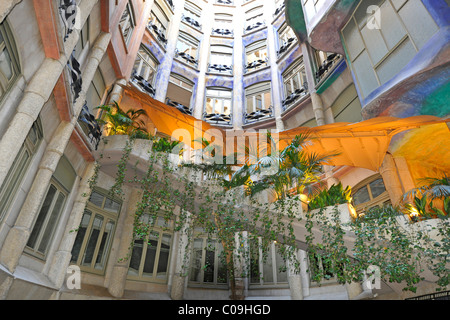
304,198
413,212
352,211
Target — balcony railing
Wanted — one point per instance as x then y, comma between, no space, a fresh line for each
76,82
170,3
220,68
229,2
217,118
191,21
279,9
158,33
293,97
68,12
90,126
327,65
222,32
186,57
143,84
254,26
258,115
179,106
255,65
286,45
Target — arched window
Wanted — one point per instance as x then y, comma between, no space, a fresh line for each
369,193
9,62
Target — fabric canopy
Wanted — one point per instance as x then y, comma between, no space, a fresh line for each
363,144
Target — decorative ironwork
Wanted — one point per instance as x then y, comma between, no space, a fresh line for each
256,65
222,32
170,3
143,84
279,9
159,35
285,46
191,21
444,295
254,26
179,106
326,66
258,115
68,11
75,76
218,118
220,68
94,130
301,92
225,1
187,57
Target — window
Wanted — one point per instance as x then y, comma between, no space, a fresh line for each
51,209
9,63
320,266
158,23
159,19
258,97
180,90
378,50
254,19
207,262
10,186
218,100
347,107
150,256
312,7
127,24
192,14
266,266
370,193
223,24
187,49
95,92
286,35
145,68
256,56
83,41
221,59
294,79
94,236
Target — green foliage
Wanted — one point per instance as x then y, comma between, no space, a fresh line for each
336,194
123,122
164,145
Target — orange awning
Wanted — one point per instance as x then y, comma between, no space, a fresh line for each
363,144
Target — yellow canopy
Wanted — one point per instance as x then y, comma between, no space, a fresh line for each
363,144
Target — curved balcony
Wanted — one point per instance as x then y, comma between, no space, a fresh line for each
184,109
223,119
258,115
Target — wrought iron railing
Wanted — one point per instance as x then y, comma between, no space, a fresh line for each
279,9
217,118
220,68
255,65
68,11
327,65
295,96
158,33
184,109
254,26
286,45
191,21
76,81
222,32
258,115
143,84
230,2
93,130
186,57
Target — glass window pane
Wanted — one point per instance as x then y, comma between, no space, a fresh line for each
377,187
375,44
267,100
41,217
135,259
353,40
104,246
196,263
268,266
164,253
418,21
209,261
150,255
361,196
51,224
398,59
365,74
81,233
96,199
391,27
6,67
92,242
111,205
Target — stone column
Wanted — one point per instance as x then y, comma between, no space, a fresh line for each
294,275
241,264
182,259
203,62
304,272
165,68
388,171
63,255
17,237
119,273
238,70
269,8
35,96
